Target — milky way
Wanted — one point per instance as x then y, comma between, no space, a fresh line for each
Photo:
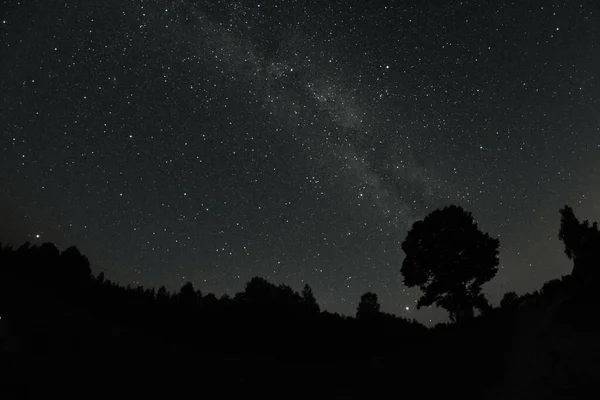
211,142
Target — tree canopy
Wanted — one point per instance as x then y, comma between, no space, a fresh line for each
449,258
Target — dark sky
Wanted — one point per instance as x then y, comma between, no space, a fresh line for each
296,140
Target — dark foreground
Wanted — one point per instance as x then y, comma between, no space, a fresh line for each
67,334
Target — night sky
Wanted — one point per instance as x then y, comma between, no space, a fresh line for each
215,141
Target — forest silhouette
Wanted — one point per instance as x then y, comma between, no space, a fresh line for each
67,332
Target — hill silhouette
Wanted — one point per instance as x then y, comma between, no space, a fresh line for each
67,332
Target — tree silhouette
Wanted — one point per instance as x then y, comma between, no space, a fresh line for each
368,307
551,288
582,245
162,294
75,267
48,254
309,301
509,299
188,296
259,290
449,258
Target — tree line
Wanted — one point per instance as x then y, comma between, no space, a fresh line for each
446,256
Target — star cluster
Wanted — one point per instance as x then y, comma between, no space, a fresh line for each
211,142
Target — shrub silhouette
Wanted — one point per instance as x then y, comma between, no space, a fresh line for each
449,258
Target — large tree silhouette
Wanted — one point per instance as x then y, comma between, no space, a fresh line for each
449,258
